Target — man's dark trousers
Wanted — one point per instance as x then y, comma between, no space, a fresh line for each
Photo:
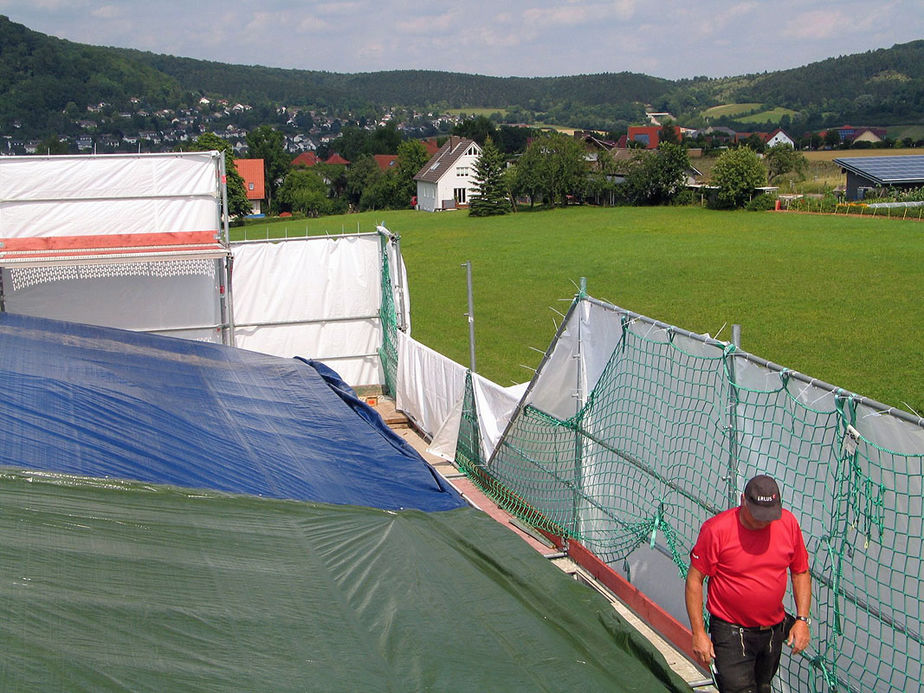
746,659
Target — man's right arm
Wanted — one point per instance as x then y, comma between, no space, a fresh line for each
702,643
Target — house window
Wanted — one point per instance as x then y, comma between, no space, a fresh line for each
462,170
459,194
250,186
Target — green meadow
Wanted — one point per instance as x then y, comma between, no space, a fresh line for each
840,299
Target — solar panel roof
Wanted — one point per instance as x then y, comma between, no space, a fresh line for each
886,169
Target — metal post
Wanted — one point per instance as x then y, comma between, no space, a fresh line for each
399,264
732,471
471,315
224,213
224,269
579,397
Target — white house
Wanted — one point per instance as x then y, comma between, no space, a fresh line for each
447,180
780,137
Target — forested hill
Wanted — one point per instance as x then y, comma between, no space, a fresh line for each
44,80
413,88
882,86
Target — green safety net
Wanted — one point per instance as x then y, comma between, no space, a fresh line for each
113,586
668,436
388,352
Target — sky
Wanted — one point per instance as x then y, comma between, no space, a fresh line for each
525,38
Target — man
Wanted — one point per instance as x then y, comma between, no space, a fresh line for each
745,552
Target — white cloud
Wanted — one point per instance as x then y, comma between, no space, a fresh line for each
448,22
829,24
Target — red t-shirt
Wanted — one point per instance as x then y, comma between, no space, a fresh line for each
747,567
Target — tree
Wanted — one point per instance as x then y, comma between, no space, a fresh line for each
668,133
305,191
268,144
361,175
238,205
553,168
737,172
782,159
604,181
490,197
52,145
656,178
412,155
479,128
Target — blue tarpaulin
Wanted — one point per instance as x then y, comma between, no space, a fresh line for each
101,402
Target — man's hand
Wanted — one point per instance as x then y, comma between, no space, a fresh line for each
798,637
703,649
702,643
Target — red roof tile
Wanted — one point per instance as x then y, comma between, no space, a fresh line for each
386,161
305,159
251,171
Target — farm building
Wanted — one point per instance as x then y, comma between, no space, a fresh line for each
871,172
447,180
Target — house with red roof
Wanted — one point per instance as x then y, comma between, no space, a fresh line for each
386,162
306,159
309,159
252,171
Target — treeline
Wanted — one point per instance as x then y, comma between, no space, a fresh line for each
41,75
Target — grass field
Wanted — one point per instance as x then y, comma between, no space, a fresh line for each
773,115
730,109
839,299
832,154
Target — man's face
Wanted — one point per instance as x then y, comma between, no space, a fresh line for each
748,520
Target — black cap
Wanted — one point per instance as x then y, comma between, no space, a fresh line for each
763,498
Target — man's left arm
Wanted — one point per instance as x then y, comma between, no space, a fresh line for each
802,594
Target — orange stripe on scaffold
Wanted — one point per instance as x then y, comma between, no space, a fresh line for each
109,241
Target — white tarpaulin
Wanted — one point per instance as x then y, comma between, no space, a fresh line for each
109,194
430,386
316,297
431,390
587,340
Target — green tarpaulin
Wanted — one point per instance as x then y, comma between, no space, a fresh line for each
110,585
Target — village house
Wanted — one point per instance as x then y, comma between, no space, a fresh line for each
251,171
447,180
779,137
649,136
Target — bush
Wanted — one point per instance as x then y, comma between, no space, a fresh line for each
737,172
761,203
